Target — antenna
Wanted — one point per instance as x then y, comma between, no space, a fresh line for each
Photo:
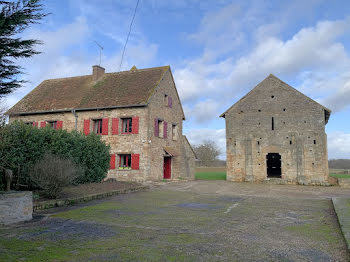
101,48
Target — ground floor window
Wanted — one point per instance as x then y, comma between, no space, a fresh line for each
125,161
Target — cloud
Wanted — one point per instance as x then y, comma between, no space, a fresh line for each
197,136
312,49
340,100
203,111
338,145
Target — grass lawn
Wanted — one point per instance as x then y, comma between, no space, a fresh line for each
210,175
340,175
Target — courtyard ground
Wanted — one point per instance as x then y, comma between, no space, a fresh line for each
187,221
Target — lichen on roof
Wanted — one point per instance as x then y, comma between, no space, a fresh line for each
132,87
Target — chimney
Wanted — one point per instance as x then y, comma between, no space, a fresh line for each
97,72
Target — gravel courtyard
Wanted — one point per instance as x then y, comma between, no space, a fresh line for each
187,221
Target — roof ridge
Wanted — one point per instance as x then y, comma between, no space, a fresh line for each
62,78
126,71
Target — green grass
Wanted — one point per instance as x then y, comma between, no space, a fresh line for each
210,176
340,175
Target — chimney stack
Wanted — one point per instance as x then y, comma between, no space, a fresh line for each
97,72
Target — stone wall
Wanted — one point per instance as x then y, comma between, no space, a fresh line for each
298,135
15,207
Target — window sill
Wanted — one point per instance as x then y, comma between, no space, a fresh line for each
124,168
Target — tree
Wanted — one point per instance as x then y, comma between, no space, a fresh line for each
3,110
15,17
207,151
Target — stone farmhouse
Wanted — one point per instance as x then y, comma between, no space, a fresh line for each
277,134
137,112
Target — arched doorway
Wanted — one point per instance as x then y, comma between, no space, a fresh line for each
273,164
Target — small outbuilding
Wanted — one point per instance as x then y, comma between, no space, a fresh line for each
277,133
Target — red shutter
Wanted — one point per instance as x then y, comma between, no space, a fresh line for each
35,124
87,126
59,125
115,126
135,161
135,125
42,124
112,162
170,101
156,127
165,129
105,126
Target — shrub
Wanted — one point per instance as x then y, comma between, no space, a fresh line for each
52,173
22,145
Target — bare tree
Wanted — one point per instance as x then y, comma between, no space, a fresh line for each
207,151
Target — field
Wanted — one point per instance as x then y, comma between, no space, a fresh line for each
340,175
210,173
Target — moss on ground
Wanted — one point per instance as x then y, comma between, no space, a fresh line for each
172,226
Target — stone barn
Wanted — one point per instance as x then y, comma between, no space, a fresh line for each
137,112
277,134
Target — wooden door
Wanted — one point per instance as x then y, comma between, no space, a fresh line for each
167,167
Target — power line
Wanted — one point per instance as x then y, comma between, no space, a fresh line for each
127,38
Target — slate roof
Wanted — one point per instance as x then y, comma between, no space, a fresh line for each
122,89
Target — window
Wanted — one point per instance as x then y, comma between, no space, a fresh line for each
272,124
98,126
161,128
174,131
166,100
29,123
125,161
126,125
52,124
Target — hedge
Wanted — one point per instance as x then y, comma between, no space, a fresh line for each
22,145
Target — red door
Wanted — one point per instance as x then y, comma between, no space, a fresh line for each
167,167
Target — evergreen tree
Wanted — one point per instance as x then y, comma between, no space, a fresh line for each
15,17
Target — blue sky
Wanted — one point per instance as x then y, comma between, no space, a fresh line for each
217,50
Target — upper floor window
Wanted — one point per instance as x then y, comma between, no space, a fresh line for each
97,126
174,132
52,124
160,128
166,100
126,125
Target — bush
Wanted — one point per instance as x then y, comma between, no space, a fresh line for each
22,145
52,173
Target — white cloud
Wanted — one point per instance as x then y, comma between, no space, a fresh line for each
203,111
197,136
341,98
312,49
65,54
338,145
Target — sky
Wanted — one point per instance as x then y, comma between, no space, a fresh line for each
218,51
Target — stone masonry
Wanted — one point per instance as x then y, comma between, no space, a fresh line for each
15,207
277,134
150,143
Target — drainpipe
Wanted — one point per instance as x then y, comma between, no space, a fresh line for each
76,119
